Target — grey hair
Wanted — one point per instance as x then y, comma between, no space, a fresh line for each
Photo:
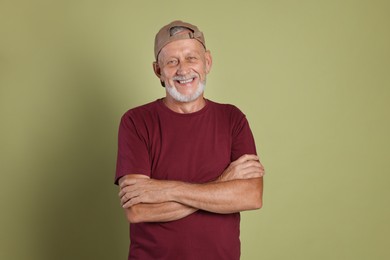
177,29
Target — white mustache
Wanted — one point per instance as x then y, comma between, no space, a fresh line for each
182,78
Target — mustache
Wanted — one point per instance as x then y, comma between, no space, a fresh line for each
191,76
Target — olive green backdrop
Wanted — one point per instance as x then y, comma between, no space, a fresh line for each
311,76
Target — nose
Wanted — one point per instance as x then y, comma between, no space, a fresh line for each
183,69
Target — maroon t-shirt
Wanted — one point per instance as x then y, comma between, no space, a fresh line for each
196,148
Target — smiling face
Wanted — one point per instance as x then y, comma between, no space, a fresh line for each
182,66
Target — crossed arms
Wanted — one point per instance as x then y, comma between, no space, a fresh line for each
238,188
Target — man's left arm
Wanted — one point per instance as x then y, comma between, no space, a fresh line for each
232,192
218,197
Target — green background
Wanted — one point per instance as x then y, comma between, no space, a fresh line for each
313,78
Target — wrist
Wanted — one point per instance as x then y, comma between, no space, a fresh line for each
178,190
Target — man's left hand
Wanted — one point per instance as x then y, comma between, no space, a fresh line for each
134,191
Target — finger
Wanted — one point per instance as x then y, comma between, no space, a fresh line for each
131,203
243,163
247,157
125,190
129,196
251,157
121,193
124,199
128,193
123,180
254,175
127,182
251,172
251,164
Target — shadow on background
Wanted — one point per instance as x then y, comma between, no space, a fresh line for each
60,141
76,209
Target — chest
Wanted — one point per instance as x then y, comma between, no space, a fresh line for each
194,150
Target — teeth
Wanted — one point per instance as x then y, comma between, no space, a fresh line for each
185,81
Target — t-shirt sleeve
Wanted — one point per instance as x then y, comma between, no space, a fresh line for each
133,153
242,137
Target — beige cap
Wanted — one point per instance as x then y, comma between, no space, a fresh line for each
164,36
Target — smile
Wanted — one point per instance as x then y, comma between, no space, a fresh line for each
186,81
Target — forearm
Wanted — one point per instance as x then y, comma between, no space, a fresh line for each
239,188
221,197
157,212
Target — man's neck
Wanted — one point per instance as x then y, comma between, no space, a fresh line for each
185,107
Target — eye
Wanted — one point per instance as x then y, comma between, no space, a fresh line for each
192,58
172,62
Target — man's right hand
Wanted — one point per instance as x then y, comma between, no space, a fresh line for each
246,167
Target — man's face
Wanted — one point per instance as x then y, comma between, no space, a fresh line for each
183,66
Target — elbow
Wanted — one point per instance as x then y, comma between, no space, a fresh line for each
132,215
132,219
253,204
257,199
258,204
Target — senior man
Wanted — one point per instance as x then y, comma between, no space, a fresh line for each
186,165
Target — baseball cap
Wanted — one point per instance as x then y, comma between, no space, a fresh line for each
164,36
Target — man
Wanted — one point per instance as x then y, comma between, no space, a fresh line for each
186,165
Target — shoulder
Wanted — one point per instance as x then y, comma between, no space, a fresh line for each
226,109
143,110
141,116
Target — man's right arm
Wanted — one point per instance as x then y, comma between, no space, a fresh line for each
155,212
171,210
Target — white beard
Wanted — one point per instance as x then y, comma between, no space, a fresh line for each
186,98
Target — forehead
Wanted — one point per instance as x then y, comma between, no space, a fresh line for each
182,47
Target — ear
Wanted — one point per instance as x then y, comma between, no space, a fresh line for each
209,61
156,69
